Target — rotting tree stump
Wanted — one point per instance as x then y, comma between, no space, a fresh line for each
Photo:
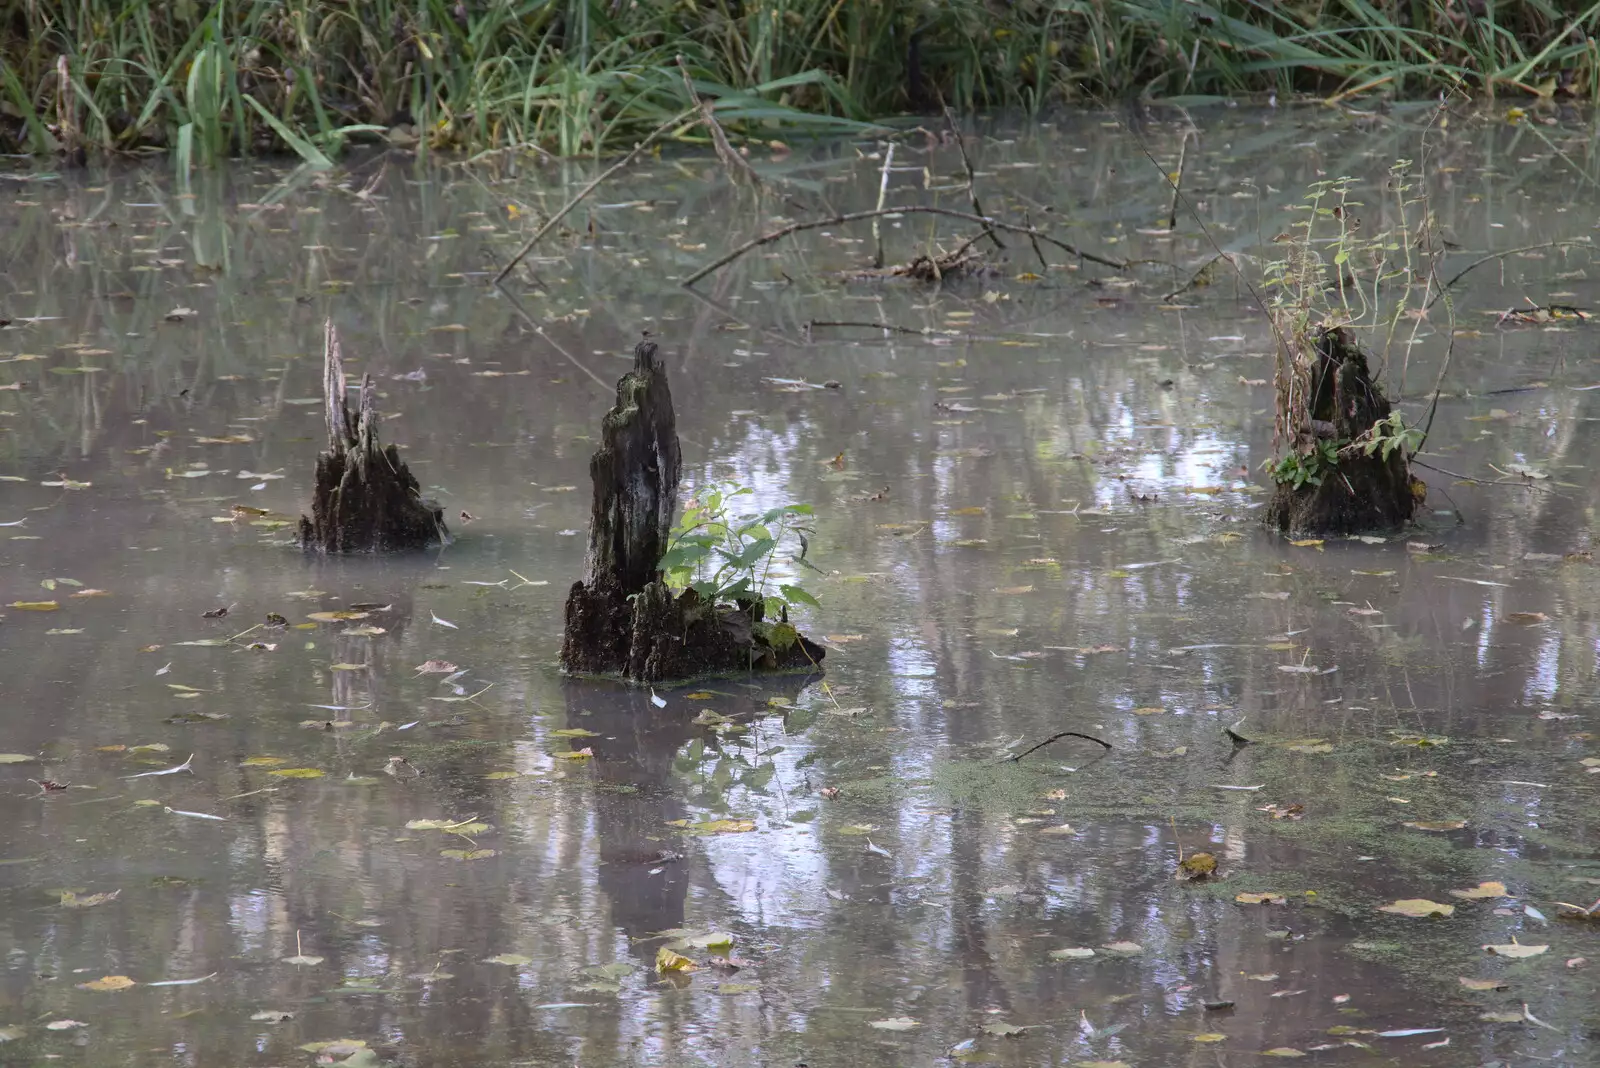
1330,398
366,499
622,619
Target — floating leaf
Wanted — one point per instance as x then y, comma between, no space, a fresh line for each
516,960
1266,897
436,667
334,617
1283,1051
261,762
1482,984
721,827
495,776
272,1016
1123,949
1072,953
20,758
1436,825
1418,906
895,1023
301,958
64,1025
1003,1029
668,961
1515,950
108,983
1482,890
574,732
467,854
438,825
298,773
1197,866
575,754
73,901
1212,1036
35,606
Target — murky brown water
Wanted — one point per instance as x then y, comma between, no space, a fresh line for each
1009,581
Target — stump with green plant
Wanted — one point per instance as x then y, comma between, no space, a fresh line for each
661,601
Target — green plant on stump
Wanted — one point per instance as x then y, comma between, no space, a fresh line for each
727,558
1346,467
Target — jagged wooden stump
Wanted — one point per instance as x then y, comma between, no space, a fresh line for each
366,498
621,618
1333,398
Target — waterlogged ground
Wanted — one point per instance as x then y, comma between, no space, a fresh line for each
1037,516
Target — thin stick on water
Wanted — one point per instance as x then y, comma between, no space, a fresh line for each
550,223
910,209
972,177
1177,180
1057,738
883,193
538,328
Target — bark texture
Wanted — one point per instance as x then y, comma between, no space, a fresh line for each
621,618
1332,398
366,499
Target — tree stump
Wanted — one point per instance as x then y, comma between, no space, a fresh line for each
1330,403
366,499
621,618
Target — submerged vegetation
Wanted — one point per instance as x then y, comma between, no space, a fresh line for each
209,80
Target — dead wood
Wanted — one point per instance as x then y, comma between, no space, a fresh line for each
621,618
366,499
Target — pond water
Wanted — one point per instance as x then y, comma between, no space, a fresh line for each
1036,511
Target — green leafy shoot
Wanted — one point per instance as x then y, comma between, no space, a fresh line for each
726,556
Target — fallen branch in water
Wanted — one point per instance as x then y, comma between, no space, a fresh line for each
912,209
972,177
1057,738
1491,257
590,188
918,331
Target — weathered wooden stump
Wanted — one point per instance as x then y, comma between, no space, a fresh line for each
621,618
1329,405
366,498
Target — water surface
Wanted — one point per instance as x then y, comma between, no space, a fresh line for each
1037,512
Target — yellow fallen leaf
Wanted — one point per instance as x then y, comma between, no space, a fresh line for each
1418,906
1482,890
1515,950
108,982
668,961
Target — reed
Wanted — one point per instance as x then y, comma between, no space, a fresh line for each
205,80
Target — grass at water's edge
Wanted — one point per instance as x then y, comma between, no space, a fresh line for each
207,79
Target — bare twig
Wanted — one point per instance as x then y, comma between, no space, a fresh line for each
538,328
883,193
738,167
1491,257
550,223
892,328
972,178
913,209
1057,738
1044,264
1514,481
1177,182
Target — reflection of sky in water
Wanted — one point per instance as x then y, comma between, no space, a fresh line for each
925,919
